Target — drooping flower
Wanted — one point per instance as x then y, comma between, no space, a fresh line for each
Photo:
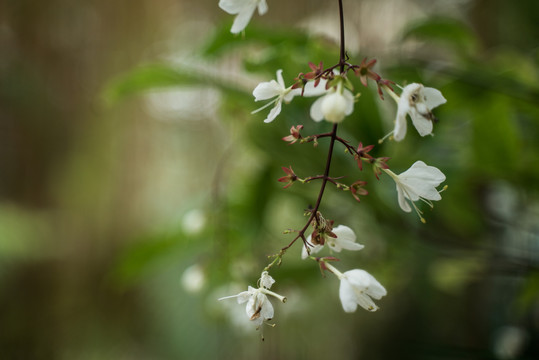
345,239
258,307
419,182
358,287
244,10
334,106
417,101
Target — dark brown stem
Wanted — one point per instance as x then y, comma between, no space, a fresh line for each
342,60
325,178
333,135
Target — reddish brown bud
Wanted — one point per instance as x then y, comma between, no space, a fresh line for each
362,153
378,164
289,178
357,189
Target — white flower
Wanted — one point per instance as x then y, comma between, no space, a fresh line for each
244,10
277,90
346,239
258,308
418,101
419,182
358,287
334,106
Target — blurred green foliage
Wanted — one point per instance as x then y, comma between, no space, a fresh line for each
455,284
436,273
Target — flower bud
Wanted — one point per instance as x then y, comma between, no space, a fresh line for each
334,107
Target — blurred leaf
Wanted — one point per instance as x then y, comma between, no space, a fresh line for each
156,76
442,29
143,79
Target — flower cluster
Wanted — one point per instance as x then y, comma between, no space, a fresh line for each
335,95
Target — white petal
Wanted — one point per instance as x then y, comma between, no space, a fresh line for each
290,95
266,280
360,281
262,7
334,107
400,125
347,245
276,110
243,18
246,295
358,278
409,90
422,180
232,6
349,97
251,306
267,311
433,97
346,239
267,90
316,110
347,296
280,78
402,200
421,123
376,290
343,232
310,90
421,173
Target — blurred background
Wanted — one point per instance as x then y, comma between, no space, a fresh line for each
136,188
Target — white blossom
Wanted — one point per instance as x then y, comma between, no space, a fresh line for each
346,239
334,106
419,182
244,10
417,101
275,90
358,287
258,307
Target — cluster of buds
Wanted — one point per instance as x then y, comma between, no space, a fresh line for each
323,229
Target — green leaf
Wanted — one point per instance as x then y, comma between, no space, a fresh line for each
145,78
159,76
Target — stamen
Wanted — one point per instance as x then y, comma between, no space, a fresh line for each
418,212
266,106
428,202
390,136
